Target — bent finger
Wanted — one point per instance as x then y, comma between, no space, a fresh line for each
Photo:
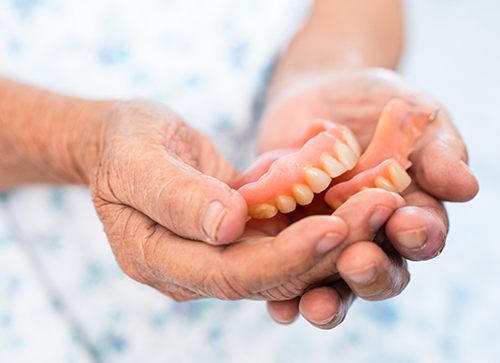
440,162
418,230
371,273
260,267
326,307
284,312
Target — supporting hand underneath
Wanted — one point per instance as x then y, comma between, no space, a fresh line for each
418,230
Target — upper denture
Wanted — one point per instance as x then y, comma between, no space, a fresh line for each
301,173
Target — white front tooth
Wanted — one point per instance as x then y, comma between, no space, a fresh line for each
285,203
383,183
302,194
352,142
263,211
346,155
399,176
317,179
332,166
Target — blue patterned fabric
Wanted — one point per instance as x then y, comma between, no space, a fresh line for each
62,296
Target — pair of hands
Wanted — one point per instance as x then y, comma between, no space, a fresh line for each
160,188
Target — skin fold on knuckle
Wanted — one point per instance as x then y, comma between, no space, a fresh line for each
286,291
225,285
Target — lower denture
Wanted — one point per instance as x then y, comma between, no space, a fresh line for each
388,175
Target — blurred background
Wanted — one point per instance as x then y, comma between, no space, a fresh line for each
54,308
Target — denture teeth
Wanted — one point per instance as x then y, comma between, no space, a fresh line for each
346,155
399,176
332,166
317,179
352,142
285,203
385,184
263,211
302,194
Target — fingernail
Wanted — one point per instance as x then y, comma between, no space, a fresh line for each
326,321
214,214
438,252
379,217
413,239
364,276
328,243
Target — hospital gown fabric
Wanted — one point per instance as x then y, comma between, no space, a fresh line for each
62,296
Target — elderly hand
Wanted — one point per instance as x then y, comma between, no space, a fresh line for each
418,230
159,189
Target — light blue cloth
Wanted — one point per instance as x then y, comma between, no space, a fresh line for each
62,297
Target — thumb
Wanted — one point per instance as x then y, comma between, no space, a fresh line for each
181,198
271,269
440,162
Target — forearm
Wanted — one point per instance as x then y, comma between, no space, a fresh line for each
46,137
344,34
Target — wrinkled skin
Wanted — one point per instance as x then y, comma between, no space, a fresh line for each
152,208
418,230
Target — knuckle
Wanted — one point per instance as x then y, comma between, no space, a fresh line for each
225,286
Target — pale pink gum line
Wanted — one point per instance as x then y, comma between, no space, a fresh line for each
264,161
339,193
399,126
259,167
289,169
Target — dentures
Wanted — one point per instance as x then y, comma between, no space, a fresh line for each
294,178
329,157
388,175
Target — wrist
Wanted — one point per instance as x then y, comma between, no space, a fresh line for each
341,35
46,137
78,144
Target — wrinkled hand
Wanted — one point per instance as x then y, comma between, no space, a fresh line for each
418,230
160,190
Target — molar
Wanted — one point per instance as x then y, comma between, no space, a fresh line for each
331,165
302,194
317,179
383,183
399,176
346,155
352,142
285,203
263,211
